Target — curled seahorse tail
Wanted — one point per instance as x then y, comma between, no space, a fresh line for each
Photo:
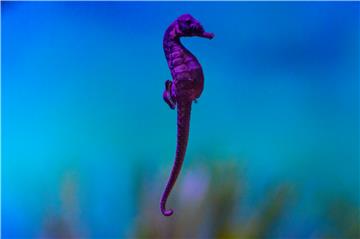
166,213
183,126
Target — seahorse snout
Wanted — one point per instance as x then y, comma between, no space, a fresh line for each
208,35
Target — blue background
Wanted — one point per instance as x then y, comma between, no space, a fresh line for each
82,105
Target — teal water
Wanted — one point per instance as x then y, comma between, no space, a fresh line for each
82,100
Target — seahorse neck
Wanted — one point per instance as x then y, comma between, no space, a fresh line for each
171,42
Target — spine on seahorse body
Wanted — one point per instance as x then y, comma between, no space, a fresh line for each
183,127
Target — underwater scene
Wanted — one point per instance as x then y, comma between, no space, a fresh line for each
88,142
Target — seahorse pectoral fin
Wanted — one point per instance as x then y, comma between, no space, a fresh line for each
167,95
168,84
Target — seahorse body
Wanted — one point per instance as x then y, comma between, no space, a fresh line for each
186,86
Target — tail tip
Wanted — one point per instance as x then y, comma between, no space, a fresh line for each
167,213
164,211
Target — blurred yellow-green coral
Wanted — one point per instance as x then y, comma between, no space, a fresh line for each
207,202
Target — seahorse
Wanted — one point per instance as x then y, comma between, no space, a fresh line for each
186,87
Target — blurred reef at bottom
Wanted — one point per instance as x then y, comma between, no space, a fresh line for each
208,203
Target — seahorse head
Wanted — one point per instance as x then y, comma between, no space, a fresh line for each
187,26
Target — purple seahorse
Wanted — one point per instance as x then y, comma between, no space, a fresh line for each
186,87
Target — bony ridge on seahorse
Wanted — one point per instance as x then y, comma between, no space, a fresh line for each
186,87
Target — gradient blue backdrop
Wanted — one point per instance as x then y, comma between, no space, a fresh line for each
82,98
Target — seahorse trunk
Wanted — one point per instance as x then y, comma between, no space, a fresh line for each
183,126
